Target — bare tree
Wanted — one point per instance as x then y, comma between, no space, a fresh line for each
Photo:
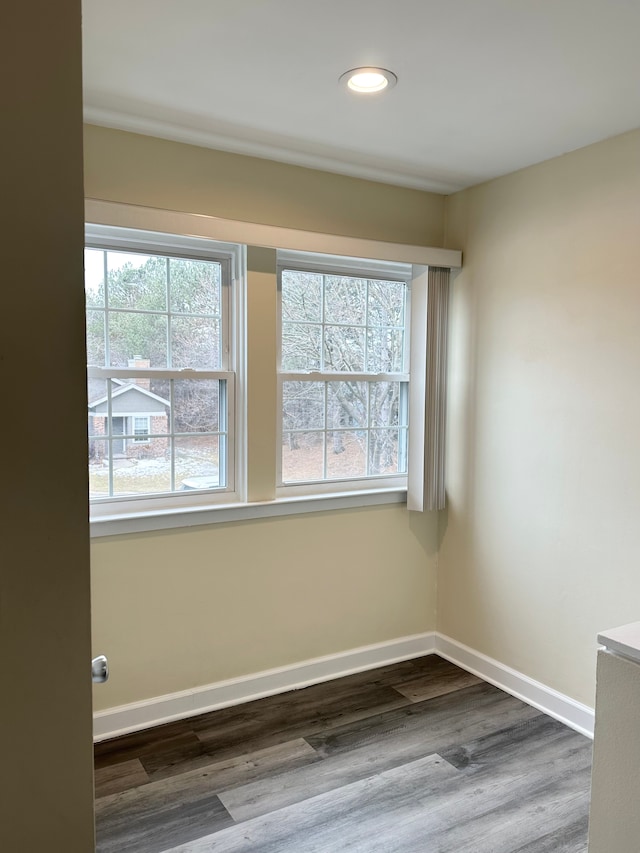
344,324
166,310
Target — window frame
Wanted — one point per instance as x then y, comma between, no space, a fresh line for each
354,268
239,236
230,258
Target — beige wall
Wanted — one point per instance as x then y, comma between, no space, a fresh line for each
128,167
540,543
46,791
182,609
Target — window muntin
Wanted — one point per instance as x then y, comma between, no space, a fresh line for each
161,386
343,378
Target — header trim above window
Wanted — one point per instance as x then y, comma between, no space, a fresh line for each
271,236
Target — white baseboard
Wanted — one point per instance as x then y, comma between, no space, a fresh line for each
188,703
563,708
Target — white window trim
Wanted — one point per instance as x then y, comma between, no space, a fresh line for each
199,508
235,232
200,511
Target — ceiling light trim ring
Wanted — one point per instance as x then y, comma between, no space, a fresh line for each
368,80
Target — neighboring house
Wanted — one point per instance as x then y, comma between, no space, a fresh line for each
137,414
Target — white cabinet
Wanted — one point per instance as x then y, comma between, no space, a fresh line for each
614,821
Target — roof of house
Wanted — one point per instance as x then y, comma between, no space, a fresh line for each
138,399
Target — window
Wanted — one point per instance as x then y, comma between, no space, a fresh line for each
235,380
141,429
161,372
343,375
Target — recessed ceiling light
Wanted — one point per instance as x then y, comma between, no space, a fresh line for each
368,81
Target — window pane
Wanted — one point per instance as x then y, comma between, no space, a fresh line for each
136,413
160,387
345,300
98,428
195,286
145,475
94,277
96,397
301,296
144,335
95,338
384,404
196,405
303,405
136,281
344,348
383,452
98,467
346,454
347,404
138,435
302,456
195,342
197,462
385,350
139,443
301,346
135,398
386,303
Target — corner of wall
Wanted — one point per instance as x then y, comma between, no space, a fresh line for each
445,221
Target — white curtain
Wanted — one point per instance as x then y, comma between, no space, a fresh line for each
428,388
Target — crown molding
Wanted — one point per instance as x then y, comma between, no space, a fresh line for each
252,148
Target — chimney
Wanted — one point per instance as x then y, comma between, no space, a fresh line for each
139,362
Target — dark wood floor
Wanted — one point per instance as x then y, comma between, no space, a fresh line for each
417,757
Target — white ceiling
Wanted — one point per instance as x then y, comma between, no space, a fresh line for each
484,86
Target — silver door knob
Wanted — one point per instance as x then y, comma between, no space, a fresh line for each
99,669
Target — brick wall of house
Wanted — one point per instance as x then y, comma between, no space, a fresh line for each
156,447
153,449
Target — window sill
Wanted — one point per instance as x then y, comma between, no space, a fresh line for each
119,524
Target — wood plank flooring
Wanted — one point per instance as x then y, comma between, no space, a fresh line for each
417,757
